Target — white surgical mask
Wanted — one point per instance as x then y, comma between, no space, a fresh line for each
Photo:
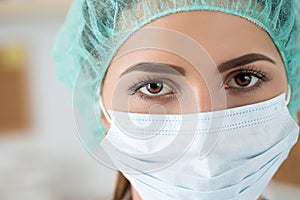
227,154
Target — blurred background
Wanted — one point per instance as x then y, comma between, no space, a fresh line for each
41,157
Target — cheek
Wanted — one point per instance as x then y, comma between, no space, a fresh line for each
137,105
279,83
107,89
106,95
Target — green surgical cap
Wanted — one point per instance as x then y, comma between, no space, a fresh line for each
95,29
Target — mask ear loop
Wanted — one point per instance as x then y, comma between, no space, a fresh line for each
288,96
104,111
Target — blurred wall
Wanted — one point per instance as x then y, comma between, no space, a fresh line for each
47,161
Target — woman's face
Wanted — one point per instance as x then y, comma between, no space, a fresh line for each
233,63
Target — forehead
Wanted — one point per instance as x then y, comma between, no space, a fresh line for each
222,35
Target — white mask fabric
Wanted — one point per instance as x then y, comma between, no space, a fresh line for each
166,156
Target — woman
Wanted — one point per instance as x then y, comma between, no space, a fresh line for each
193,93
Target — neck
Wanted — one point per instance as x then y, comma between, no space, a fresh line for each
136,196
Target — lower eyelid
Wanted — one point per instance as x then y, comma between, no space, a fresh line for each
155,98
238,91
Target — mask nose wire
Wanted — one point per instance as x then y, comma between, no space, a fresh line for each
103,110
288,95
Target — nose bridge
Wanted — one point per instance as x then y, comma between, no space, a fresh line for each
208,91
203,97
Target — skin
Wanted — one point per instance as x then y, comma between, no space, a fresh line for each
224,37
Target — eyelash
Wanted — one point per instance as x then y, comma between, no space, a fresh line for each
143,81
250,70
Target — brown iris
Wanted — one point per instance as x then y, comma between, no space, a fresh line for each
243,79
154,88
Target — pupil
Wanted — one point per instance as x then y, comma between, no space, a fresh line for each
243,80
154,87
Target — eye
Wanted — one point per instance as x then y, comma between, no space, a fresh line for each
155,89
243,80
246,80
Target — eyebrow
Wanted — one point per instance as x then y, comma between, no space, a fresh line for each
153,67
243,60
